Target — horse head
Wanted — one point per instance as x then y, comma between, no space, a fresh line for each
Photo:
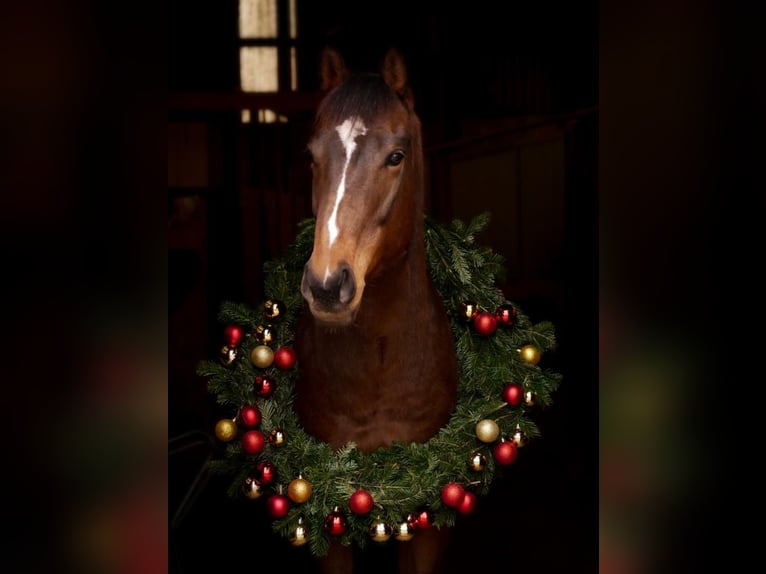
366,154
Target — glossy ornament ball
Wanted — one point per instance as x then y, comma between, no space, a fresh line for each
505,315
530,354
277,505
252,489
452,494
300,535
477,462
225,430
380,532
264,386
273,309
285,358
265,472
335,523
519,437
423,518
404,531
227,355
277,437
513,394
253,442
360,502
250,416
233,335
469,310
505,453
299,490
485,323
264,334
468,504
487,430
262,356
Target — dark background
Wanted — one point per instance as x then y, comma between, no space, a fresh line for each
518,85
90,291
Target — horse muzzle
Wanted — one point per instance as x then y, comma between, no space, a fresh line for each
330,298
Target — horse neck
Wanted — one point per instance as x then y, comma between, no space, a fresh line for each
400,293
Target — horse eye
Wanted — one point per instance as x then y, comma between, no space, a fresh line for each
395,158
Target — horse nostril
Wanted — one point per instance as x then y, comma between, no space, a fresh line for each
347,285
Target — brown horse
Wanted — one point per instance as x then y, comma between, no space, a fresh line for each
374,342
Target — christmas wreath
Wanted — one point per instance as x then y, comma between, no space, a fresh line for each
314,493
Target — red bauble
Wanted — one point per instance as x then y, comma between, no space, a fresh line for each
249,416
468,504
505,452
485,323
335,523
253,441
233,335
265,472
505,315
423,518
360,502
452,494
513,394
278,505
285,358
264,386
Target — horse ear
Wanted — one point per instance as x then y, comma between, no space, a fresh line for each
394,73
332,69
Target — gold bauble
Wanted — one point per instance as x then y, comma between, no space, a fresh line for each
404,531
380,532
299,490
299,536
477,462
487,430
225,430
262,356
252,489
530,354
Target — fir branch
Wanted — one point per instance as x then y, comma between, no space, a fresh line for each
236,313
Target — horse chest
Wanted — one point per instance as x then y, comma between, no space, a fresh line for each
371,391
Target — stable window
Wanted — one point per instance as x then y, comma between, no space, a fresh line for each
267,51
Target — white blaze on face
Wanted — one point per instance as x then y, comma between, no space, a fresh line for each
348,131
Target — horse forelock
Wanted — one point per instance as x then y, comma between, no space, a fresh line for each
365,96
